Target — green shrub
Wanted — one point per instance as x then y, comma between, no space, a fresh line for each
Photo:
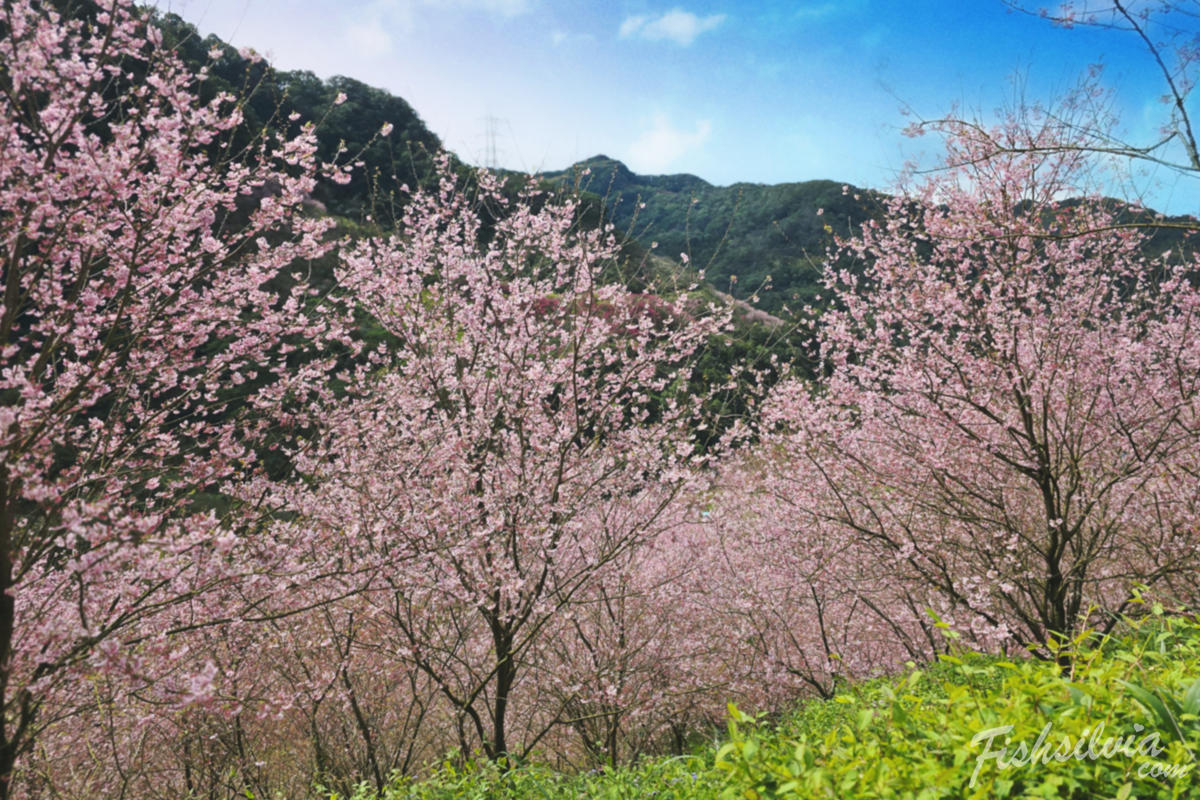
678,778
1133,701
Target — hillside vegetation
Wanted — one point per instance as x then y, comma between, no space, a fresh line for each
740,235
758,243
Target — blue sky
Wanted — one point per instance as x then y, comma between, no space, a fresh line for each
730,91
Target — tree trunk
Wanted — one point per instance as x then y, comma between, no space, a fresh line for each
506,673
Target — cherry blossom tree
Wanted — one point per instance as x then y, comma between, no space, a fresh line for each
812,605
147,361
1086,119
641,660
524,428
1010,411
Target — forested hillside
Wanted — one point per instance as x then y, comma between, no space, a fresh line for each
759,243
284,101
756,242
740,235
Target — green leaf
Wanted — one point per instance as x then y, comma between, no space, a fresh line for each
1191,700
1156,706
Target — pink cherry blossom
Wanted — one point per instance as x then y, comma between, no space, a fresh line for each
142,367
1011,414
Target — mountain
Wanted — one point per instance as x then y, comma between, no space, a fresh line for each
282,101
740,235
760,247
762,244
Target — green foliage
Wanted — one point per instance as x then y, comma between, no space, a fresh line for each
763,244
1132,701
742,365
664,779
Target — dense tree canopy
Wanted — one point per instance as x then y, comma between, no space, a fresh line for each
146,360
755,242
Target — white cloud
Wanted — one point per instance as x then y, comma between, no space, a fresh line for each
368,39
559,38
663,144
631,25
815,11
505,8
677,25
370,34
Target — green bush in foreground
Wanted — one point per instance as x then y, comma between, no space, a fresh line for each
676,778
1122,721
